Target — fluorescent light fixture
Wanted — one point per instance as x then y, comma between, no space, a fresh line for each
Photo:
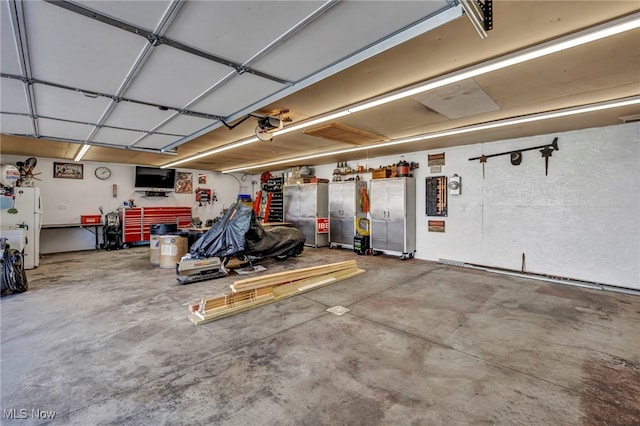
82,152
596,33
211,152
579,38
634,100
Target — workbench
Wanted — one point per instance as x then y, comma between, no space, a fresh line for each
87,226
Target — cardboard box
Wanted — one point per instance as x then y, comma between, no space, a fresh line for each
381,174
295,181
90,219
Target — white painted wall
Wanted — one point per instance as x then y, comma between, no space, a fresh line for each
65,200
582,221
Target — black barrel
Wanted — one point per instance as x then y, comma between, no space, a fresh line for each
163,229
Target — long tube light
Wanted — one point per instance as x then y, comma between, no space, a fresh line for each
211,152
596,33
634,100
82,152
579,38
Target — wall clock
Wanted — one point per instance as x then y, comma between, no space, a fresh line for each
103,173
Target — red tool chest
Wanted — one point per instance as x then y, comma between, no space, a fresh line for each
136,221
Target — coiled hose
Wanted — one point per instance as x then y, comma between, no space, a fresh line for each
13,278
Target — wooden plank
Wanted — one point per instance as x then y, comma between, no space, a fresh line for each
289,276
226,311
212,302
309,269
231,299
303,286
279,293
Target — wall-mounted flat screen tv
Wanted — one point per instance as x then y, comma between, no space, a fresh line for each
155,177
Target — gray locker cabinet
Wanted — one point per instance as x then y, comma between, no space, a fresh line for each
344,208
306,205
393,216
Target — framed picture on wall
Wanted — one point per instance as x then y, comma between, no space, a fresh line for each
184,183
68,170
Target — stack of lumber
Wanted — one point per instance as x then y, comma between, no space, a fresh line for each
256,291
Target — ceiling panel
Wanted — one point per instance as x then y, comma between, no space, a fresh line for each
341,31
136,116
184,125
13,96
116,136
239,92
63,129
173,78
18,124
54,102
73,50
237,30
457,100
8,54
145,14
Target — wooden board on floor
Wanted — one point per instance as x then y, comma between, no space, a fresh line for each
279,293
311,269
290,276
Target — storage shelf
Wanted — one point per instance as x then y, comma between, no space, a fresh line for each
354,172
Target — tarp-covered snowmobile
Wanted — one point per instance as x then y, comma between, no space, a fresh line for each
237,234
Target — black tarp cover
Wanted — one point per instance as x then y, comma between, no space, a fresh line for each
240,233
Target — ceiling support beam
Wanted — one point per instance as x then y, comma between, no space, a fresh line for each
20,35
94,94
44,117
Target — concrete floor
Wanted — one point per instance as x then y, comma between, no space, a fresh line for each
103,338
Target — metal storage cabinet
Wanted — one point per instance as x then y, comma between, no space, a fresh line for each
344,207
306,206
393,216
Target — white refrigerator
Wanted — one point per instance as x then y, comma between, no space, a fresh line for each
29,217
